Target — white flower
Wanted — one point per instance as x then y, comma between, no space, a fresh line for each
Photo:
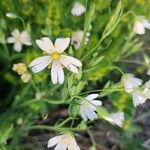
63,142
138,97
56,57
140,24
116,118
130,82
78,9
88,107
19,39
146,91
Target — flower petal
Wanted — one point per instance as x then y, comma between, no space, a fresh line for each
82,112
15,33
25,38
40,63
11,40
53,141
91,96
57,73
45,44
138,98
17,46
61,145
61,44
91,114
96,102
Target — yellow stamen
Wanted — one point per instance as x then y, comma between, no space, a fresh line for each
55,55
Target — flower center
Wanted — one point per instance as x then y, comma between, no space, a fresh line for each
55,55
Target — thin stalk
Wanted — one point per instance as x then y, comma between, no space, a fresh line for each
64,122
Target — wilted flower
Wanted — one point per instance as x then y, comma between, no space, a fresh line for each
63,142
88,107
130,82
25,77
138,97
146,91
55,55
140,24
19,39
20,68
78,9
116,118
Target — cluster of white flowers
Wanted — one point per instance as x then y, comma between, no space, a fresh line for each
132,85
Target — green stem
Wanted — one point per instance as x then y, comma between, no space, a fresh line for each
56,102
117,68
55,128
34,86
64,122
102,90
92,50
92,138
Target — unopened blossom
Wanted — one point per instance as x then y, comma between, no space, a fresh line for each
138,97
146,91
116,118
77,38
77,9
25,77
54,55
19,39
20,68
130,82
88,107
140,24
63,142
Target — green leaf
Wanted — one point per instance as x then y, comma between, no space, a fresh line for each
4,137
102,112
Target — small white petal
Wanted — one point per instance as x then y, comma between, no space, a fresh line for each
146,23
45,44
26,38
139,28
91,114
138,98
17,46
72,60
96,102
82,112
116,118
61,44
68,64
40,63
11,40
91,96
53,141
57,73
15,33
130,82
